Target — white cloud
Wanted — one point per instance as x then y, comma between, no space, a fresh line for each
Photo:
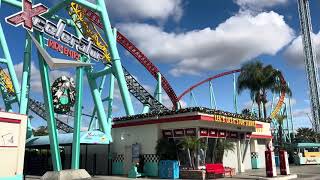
259,4
35,79
146,9
298,113
294,52
235,41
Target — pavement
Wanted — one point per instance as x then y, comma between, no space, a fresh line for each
306,172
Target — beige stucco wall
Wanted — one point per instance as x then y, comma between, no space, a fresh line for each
146,135
12,157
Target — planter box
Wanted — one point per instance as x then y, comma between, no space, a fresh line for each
192,174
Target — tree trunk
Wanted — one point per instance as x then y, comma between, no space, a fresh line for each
264,100
259,108
189,157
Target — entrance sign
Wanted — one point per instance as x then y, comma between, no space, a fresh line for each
12,144
63,50
31,18
232,120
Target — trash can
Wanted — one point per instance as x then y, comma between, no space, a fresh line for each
169,169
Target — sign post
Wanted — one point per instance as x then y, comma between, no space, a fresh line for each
271,170
284,165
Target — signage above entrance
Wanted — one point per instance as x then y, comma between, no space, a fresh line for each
232,120
30,17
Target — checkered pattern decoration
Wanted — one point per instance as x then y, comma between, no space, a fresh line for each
254,155
118,158
151,158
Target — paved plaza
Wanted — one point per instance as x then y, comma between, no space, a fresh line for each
307,172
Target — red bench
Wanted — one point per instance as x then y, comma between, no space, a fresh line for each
217,169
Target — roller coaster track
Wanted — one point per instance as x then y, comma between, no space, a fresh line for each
142,94
153,70
275,111
281,99
85,19
39,109
206,80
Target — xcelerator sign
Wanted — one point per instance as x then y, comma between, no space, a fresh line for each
30,18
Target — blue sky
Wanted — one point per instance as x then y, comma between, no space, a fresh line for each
192,40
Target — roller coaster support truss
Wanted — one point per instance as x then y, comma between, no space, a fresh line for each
310,61
47,109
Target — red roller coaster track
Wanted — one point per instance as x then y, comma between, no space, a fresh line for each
275,111
144,60
206,80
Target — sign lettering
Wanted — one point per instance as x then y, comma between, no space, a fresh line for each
30,17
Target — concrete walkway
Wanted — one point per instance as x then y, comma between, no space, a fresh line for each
307,172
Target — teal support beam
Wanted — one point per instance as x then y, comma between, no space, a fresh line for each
287,119
110,100
94,111
75,161
291,117
193,98
55,9
158,91
25,84
15,3
11,70
213,103
235,94
146,108
52,127
3,60
68,22
98,103
116,63
103,80
89,5
107,70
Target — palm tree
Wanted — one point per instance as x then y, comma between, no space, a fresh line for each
258,79
192,145
222,146
280,118
166,150
305,135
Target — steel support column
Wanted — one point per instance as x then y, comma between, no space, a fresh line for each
52,127
98,104
158,91
25,84
235,94
213,103
310,61
116,63
10,66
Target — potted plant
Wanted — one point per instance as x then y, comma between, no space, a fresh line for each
222,146
168,165
192,145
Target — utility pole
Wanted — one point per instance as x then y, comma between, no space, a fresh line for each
310,61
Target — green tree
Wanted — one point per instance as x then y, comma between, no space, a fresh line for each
192,145
166,150
41,131
306,135
222,146
258,79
